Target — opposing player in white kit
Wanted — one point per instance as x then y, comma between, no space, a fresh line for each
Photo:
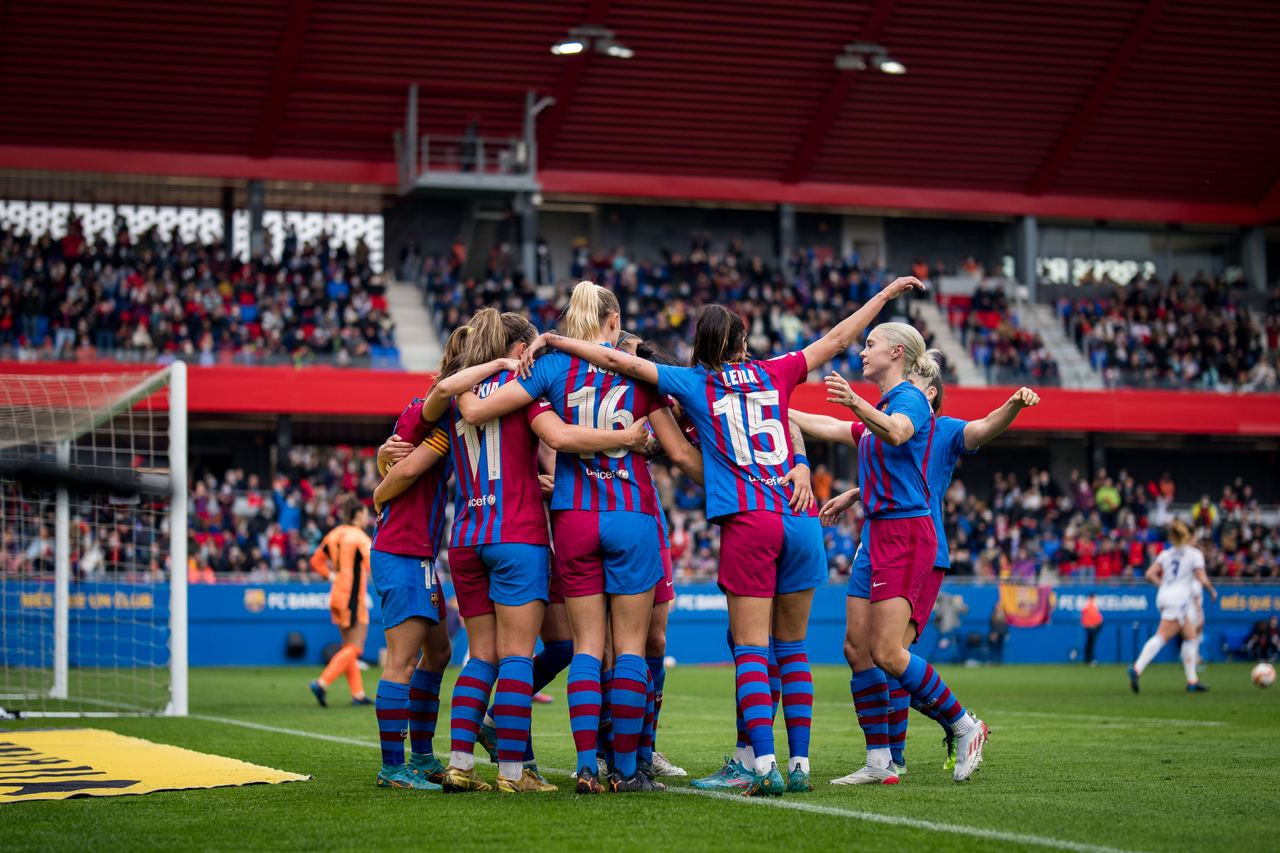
1176,570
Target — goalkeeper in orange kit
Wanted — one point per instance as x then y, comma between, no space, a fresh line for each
343,558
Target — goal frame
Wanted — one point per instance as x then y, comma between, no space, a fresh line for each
174,376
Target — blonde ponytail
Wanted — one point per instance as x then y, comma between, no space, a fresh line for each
1179,532
493,335
929,368
589,306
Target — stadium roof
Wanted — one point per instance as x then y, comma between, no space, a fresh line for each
1160,110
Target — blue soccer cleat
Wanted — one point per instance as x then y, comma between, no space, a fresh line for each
319,692
1133,679
1197,687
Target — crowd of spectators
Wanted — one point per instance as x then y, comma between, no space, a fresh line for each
785,308
989,328
155,297
1026,527
1177,334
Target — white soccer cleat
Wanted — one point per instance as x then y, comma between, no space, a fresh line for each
969,748
869,775
663,767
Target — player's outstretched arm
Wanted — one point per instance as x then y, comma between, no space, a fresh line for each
895,429
823,427
979,432
678,449
437,402
837,506
569,438
507,399
843,334
606,357
404,473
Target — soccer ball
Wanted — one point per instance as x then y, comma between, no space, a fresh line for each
1263,675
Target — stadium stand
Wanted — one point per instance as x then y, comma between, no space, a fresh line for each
990,329
1177,334
784,308
155,297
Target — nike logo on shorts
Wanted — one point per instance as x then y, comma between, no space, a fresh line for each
882,583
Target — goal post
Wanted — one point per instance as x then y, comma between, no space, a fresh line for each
93,542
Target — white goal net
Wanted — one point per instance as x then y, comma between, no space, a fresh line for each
93,543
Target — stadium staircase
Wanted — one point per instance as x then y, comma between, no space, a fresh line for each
967,372
1074,370
416,334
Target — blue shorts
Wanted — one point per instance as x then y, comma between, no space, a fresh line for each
607,552
508,573
803,562
860,576
407,586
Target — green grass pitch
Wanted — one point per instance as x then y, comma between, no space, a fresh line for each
1075,762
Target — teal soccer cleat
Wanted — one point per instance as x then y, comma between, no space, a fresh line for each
798,782
730,776
427,766
765,784
403,777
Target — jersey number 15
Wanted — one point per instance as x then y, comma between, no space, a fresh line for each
731,406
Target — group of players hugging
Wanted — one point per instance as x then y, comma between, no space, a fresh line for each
523,422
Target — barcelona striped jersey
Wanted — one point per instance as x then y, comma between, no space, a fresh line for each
497,498
892,479
589,396
740,414
412,523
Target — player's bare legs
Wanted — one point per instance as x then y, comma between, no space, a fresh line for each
890,620
870,696
1165,631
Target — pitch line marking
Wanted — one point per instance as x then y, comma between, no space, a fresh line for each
909,822
830,811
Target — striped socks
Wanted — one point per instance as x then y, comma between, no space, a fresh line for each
644,752
871,703
752,676
424,709
584,708
512,707
930,711
775,679
658,672
392,707
627,700
796,681
924,684
899,704
470,697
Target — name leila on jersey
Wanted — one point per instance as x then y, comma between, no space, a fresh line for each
739,376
